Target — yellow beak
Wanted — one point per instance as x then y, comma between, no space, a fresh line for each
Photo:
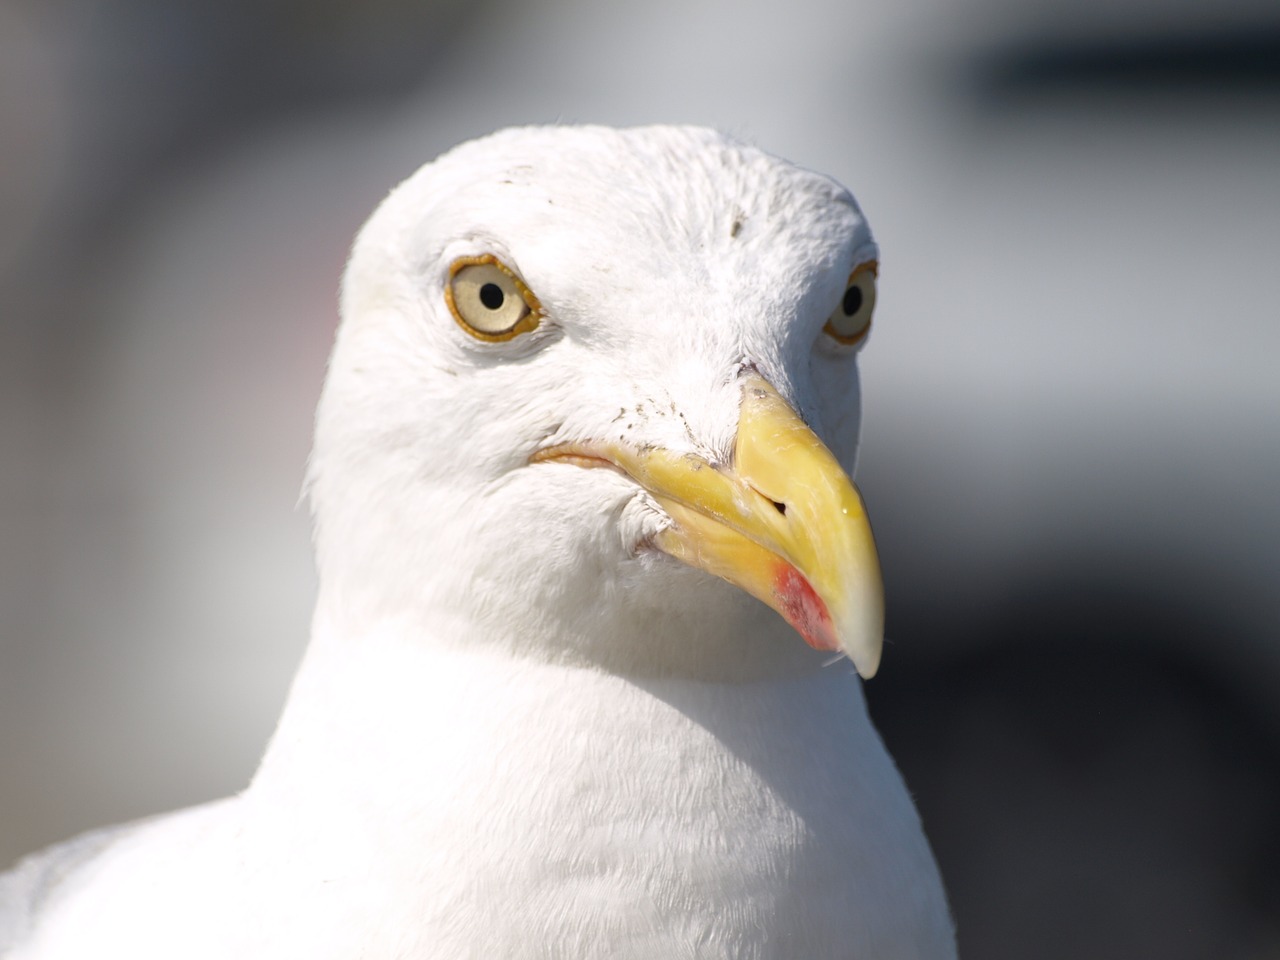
784,522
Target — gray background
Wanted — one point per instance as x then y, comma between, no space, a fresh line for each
1072,448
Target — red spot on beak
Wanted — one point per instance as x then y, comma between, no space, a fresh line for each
803,608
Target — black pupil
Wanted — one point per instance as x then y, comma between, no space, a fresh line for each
852,301
491,296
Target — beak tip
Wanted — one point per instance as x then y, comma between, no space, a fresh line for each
866,665
864,644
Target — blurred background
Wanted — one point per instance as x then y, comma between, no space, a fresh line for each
1072,439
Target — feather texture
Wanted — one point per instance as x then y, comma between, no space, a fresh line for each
519,731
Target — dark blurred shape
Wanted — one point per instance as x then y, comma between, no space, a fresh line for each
1246,62
160,86
1091,788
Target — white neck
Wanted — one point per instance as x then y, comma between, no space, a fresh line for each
384,694
484,790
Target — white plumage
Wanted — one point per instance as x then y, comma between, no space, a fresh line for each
522,727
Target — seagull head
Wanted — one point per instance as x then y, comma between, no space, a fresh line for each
594,398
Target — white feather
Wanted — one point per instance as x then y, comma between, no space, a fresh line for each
517,732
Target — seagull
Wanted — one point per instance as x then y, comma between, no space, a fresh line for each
595,591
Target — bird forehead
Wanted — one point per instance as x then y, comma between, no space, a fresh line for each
641,225
665,201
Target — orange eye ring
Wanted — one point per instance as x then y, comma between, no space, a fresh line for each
489,301
851,320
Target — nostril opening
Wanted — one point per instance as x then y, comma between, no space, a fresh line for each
780,507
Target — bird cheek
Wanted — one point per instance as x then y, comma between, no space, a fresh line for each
639,523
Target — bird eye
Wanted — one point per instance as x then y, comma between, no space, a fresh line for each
852,319
489,301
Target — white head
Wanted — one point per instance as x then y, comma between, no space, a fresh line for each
670,271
